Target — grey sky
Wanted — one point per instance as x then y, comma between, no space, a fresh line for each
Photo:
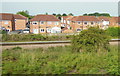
77,8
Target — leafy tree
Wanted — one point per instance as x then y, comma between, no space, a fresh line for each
46,13
97,14
54,14
70,14
93,39
85,14
58,15
24,13
113,31
64,14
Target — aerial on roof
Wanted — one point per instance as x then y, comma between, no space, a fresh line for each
84,18
44,18
8,16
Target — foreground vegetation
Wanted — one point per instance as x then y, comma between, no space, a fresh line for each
59,60
113,32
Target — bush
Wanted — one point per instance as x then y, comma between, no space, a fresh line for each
113,32
93,39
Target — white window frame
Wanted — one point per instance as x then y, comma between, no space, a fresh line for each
79,23
49,22
6,22
84,22
34,22
42,29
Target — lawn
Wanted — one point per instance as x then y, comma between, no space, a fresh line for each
59,60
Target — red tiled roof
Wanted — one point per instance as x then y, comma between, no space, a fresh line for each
8,16
84,18
44,18
117,19
19,17
103,18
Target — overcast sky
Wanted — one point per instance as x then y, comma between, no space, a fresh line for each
77,8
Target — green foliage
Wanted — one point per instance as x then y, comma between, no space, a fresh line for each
70,14
25,13
33,37
113,32
93,39
59,60
64,14
97,14
3,32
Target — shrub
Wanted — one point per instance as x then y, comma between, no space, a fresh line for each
113,31
93,39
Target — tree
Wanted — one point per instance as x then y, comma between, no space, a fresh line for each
54,14
113,32
64,14
70,14
97,14
85,14
46,13
24,13
93,39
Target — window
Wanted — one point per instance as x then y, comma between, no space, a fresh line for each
78,22
79,30
42,22
42,30
6,22
49,23
34,23
56,23
92,23
85,23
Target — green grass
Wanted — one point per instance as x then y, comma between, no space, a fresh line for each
59,60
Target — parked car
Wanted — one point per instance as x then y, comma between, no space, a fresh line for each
26,31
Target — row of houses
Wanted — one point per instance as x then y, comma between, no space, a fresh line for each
51,24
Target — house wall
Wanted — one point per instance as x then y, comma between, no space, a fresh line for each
74,25
20,24
45,26
7,24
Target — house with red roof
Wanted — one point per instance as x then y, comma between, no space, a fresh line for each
45,24
12,22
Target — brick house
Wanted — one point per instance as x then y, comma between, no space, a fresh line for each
12,22
45,24
104,22
79,23
115,22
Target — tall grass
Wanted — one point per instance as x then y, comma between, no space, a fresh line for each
59,60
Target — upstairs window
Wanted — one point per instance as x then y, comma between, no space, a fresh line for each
92,23
41,22
49,22
78,22
34,23
6,22
85,23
